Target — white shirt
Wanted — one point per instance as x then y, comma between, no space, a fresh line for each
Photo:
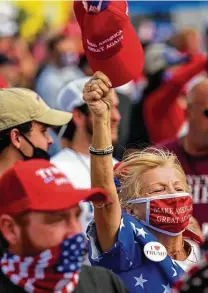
192,259
76,167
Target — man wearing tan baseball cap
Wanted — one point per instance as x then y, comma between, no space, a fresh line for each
24,119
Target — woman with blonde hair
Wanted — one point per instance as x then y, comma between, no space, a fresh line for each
145,244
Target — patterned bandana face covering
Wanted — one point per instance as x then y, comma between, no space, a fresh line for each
54,270
168,214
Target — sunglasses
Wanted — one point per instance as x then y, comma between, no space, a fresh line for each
206,113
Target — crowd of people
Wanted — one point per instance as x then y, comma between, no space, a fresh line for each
103,183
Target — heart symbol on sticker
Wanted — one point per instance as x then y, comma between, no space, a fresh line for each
157,247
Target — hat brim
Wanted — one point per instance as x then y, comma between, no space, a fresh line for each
127,64
54,117
67,199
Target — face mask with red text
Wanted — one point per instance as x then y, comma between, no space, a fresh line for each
168,214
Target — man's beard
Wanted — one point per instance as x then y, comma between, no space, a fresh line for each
26,246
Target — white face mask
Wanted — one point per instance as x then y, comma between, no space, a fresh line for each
168,214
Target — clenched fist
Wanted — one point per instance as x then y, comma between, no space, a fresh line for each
97,94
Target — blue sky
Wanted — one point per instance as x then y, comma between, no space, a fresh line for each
161,6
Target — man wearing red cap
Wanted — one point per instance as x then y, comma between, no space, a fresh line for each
42,247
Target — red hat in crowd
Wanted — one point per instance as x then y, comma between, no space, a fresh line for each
37,185
3,83
109,39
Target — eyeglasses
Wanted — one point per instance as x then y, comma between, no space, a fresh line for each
206,113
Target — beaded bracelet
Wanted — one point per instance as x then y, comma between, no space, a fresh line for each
104,152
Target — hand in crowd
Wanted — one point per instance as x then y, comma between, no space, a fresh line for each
97,93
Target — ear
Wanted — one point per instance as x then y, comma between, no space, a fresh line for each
79,118
9,230
15,138
139,211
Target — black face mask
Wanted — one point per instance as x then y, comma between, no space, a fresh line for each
38,153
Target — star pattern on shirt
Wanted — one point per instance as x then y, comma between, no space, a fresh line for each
174,262
140,281
137,277
133,226
167,288
138,231
174,272
122,224
141,232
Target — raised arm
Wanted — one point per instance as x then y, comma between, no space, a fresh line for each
98,96
169,91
